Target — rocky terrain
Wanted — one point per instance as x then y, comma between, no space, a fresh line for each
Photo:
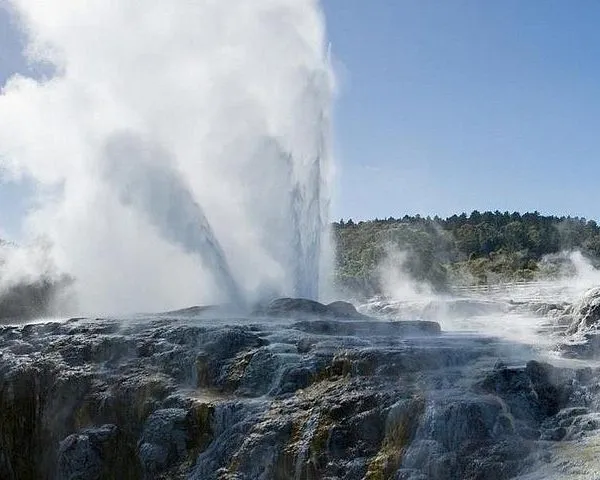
296,390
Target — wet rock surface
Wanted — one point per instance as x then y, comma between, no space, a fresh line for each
582,334
288,393
586,313
301,308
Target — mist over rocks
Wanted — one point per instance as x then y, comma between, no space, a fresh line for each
581,320
340,318
307,395
586,313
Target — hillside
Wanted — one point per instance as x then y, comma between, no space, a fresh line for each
468,249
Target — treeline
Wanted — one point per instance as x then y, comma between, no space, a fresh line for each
476,248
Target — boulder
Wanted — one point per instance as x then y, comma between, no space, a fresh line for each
163,441
344,310
88,455
533,393
302,307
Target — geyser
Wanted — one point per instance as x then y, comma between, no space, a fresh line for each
143,178
171,132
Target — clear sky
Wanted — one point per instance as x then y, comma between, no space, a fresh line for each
455,105
13,197
448,106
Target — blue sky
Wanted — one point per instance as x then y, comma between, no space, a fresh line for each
14,197
455,105
448,106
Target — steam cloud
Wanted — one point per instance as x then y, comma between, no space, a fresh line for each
143,178
172,132
397,282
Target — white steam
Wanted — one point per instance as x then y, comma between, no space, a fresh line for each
230,97
585,274
24,265
570,271
517,311
396,280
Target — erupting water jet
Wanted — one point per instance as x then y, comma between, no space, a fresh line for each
201,130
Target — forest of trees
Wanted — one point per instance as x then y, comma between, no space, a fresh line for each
476,248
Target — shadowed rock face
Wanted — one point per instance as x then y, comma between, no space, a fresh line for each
371,328
302,307
310,397
24,301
